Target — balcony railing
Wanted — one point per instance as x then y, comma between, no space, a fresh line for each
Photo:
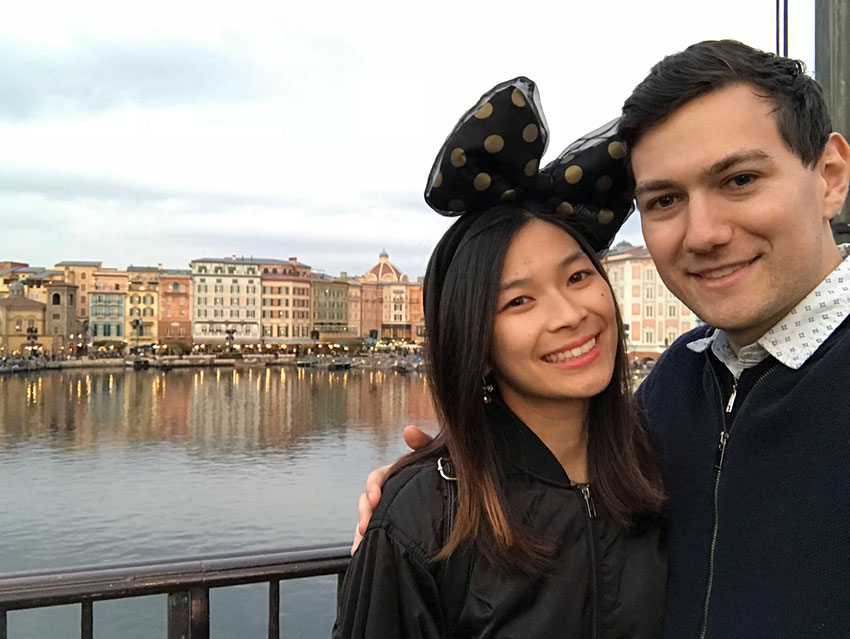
187,582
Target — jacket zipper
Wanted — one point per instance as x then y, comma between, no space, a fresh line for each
591,515
725,432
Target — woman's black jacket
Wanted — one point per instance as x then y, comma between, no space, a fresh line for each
603,582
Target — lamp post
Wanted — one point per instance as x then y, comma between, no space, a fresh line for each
137,328
228,338
32,337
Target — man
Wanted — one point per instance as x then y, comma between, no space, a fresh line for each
737,175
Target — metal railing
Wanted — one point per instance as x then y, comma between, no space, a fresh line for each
187,582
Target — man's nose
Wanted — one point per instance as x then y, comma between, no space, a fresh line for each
708,225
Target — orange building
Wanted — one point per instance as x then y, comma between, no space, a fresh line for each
285,302
390,303
175,309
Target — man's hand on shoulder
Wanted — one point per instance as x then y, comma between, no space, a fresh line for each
368,501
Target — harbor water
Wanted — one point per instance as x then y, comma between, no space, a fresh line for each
119,466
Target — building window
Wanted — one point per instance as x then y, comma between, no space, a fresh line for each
56,299
671,311
647,311
648,336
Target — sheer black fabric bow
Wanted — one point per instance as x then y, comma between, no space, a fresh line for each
493,155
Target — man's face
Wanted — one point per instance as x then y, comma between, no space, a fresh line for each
737,225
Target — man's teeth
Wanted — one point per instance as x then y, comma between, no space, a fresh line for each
723,272
572,353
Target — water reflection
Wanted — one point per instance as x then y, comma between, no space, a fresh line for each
211,409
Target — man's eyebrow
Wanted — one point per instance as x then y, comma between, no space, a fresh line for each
524,281
724,164
746,155
654,185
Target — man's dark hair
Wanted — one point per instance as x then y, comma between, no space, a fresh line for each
801,113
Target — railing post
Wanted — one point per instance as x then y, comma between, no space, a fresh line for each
86,620
274,609
189,614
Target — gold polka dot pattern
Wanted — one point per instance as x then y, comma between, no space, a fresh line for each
494,143
481,182
485,111
493,155
458,158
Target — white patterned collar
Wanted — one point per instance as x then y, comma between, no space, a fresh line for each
796,337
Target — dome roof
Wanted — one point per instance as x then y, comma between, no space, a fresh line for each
383,271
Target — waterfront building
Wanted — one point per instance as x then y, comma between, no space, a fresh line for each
175,309
330,307
22,324
354,307
226,293
34,279
107,326
391,305
286,290
8,274
141,312
652,315
61,316
81,274
36,282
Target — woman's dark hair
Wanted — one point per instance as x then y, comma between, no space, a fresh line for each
461,290
801,112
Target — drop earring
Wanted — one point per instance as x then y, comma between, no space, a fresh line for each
488,390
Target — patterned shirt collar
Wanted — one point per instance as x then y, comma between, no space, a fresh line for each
796,337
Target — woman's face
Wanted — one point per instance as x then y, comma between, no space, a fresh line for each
555,329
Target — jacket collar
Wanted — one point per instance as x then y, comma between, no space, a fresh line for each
521,449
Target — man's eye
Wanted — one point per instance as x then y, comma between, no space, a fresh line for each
743,179
663,202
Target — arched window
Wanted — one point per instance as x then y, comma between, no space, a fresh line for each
82,276
148,299
148,312
175,287
57,299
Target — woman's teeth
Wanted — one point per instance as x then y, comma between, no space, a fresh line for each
572,353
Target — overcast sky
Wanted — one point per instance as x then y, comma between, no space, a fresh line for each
158,132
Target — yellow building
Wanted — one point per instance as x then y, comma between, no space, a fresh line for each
22,325
141,311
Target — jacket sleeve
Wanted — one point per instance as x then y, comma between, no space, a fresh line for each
388,593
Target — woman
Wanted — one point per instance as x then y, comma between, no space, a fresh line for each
534,512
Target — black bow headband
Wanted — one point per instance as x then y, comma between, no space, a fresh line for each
493,155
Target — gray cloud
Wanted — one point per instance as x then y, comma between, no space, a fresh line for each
95,76
65,186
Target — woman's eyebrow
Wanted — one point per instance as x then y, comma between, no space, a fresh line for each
525,281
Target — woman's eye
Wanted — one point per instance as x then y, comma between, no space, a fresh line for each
519,301
578,276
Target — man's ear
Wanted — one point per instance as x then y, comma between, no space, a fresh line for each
834,166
